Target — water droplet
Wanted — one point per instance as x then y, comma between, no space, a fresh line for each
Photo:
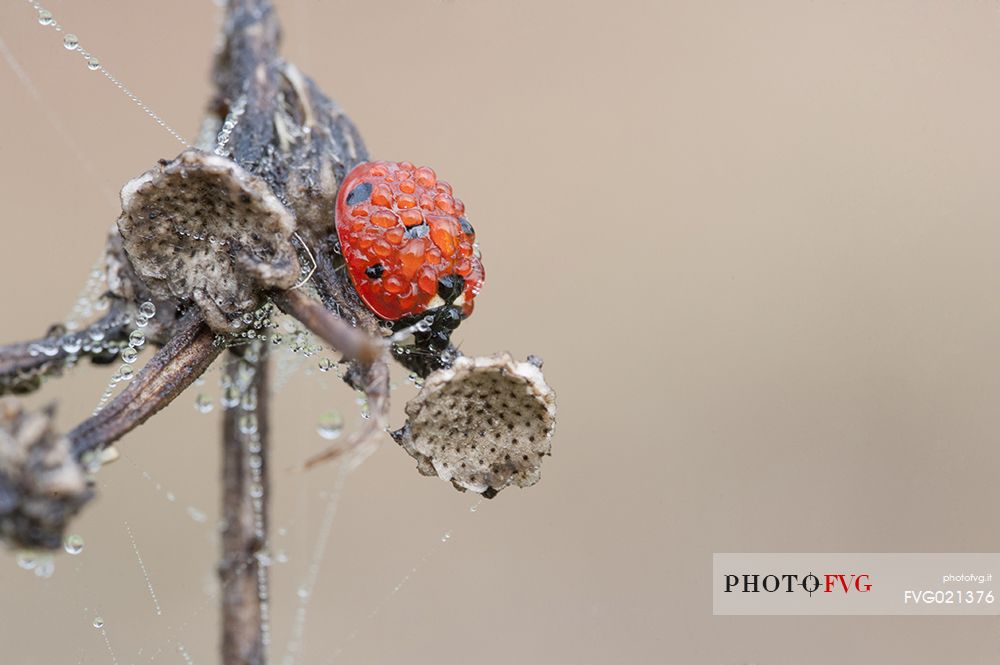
446,537
303,592
147,309
93,64
141,321
98,622
70,41
45,17
46,567
248,423
125,372
325,364
203,403
474,507
197,515
136,338
73,544
91,462
72,344
249,401
27,559
130,355
230,397
330,425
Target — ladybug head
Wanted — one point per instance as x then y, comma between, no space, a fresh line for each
410,253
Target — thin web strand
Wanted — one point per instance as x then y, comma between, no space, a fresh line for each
53,120
293,649
72,43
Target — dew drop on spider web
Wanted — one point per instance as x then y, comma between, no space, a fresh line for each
147,309
98,622
93,64
130,355
73,544
230,397
203,403
125,373
45,17
46,566
248,423
27,559
330,425
136,338
249,401
70,41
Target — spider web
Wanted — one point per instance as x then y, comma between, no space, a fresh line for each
301,365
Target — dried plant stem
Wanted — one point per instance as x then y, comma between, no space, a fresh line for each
354,343
164,377
244,508
22,365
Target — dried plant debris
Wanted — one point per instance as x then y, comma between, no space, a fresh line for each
202,229
42,485
484,424
125,286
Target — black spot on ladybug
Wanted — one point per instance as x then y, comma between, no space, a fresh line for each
466,227
418,231
451,287
375,270
359,193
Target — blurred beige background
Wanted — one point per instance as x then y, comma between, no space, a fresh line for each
756,244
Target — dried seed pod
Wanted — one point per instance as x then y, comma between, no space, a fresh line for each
202,229
484,424
42,485
125,286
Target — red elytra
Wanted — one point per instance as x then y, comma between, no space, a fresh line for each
400,230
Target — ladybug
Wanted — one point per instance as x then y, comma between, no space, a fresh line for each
409,250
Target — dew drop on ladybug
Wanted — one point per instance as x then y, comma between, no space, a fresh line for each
407,243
